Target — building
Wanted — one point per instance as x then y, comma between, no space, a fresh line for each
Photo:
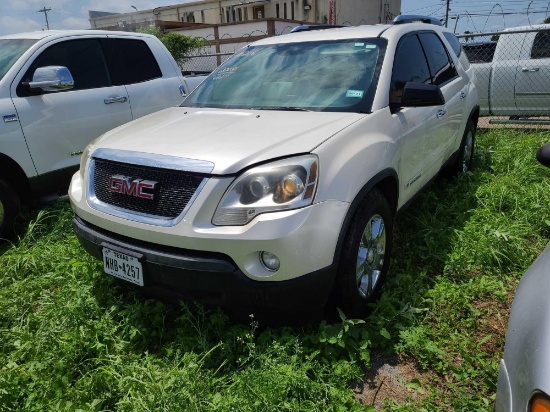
228,25
351,12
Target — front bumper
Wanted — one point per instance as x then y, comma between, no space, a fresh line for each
211,277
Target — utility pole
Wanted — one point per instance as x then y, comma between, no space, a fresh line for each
45,11
447,12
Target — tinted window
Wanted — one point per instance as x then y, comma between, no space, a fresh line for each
130,61
541,46
83,58
441,67
480,52
410,66
453,41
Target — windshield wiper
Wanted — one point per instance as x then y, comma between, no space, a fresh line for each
284,108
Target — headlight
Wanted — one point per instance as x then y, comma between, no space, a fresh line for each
281,185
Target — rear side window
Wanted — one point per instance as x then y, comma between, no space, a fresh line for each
541,46
130,61
441,68
453,41
409,66
83,58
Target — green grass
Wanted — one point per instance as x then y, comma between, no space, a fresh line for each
71,338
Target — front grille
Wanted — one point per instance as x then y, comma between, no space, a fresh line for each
173,192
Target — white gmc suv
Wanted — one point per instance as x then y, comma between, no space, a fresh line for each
59,90
274,186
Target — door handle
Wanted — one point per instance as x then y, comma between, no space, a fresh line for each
530,69
463,95
118,99
440,112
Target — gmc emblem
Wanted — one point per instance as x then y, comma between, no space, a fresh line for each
133,187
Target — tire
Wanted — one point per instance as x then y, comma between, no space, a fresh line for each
364,253
10,206
463,162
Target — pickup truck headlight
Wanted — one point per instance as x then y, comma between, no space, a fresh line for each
282,185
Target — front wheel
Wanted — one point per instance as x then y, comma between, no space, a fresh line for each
365,257
463,162
9,209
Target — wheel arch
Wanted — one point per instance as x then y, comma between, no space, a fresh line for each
13,174
387,182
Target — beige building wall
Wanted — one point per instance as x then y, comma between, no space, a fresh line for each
351,12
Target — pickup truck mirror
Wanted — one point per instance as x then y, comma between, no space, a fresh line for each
543,155
51,79
421,95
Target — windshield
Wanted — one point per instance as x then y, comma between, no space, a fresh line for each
10,51
331,75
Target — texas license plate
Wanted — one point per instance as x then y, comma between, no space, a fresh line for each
122,266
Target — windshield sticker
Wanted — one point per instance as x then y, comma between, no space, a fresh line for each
359,44
370,46
354,93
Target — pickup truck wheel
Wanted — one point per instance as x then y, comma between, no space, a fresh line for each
463,162
365,258
10,206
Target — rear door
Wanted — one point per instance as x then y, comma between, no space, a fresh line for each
133,65
533,75
58,125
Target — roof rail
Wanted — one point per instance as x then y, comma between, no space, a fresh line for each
413,18
309,27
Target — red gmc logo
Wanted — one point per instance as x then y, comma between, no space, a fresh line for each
132,187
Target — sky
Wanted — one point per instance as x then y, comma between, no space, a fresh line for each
22,15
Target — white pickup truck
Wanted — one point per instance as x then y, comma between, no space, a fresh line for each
59,90
515,80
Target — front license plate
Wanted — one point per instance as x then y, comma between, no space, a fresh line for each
122,266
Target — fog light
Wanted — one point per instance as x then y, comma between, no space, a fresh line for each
270,261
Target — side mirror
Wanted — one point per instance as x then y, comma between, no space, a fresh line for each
543,155
51,79
421,95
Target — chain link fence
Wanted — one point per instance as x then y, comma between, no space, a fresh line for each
512,72
203,63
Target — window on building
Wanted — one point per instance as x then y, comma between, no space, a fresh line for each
258,12
190,17
292,10
277,11
240,14
284,10
227,15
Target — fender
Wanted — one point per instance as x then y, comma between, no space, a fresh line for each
388,182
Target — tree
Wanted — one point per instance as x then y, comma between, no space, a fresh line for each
178,45
547,20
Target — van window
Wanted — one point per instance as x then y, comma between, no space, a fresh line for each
441,67
410,66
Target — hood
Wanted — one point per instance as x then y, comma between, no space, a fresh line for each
230,139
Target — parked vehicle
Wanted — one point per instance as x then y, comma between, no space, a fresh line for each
59,90
523,379
513,75
275,185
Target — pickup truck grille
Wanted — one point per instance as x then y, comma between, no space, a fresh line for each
173,191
